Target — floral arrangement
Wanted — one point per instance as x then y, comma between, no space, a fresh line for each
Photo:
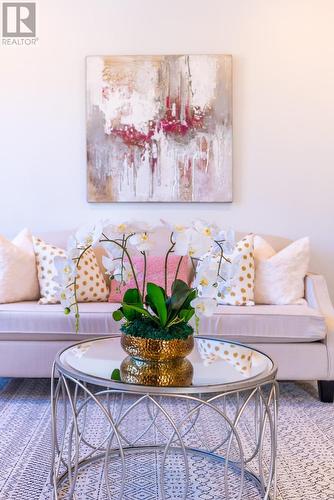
147,310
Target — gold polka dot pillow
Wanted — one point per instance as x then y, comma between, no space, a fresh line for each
238,287
235,355
91,286
90,283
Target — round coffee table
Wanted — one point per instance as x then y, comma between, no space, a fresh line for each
227,415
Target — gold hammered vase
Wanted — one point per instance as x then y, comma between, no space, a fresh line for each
156,349
174,373
157,362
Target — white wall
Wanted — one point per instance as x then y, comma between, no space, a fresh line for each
283,112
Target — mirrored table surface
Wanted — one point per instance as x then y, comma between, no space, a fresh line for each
217,365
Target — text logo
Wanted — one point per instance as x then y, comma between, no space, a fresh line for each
19,19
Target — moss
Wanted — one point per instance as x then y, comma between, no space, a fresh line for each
147,329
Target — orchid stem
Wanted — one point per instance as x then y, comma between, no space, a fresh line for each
107,240
144,276
75,304
178,267
166,260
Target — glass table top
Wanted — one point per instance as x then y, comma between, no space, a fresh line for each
215,363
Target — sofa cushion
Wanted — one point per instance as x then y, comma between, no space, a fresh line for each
266,323
31,321
279,277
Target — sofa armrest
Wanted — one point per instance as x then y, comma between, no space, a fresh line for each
317,296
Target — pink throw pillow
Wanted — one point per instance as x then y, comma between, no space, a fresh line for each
155,273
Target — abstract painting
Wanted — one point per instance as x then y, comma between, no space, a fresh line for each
159,128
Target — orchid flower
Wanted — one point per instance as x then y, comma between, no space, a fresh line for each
66,271
123,273
224,240
109,264
117,230
204,306
67,298
205,229
142,241
199,244
180,236
114,251
227,278
87,236
182,242
207,277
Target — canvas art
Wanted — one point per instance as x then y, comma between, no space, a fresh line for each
159,128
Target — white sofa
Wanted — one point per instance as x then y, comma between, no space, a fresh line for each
300,338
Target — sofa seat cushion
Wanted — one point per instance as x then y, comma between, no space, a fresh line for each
32,321
260,323
266,323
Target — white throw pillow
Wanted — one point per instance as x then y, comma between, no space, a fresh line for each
239,287
18,274
279,277
91,285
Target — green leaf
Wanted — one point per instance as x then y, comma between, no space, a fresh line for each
179,286
132,296
149,303
157,298
186,314
192,295
180,291
116,374
132,311
180,300
118,314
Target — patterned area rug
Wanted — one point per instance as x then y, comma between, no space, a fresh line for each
305,452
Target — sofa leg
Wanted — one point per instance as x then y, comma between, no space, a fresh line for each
326,391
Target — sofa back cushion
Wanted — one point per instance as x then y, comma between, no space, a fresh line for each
90,283
279,277
239,288
18,275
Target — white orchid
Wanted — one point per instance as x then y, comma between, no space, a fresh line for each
174,228
124,273
89,235
142,241
203,242
67,298
209,292
113,250
206,275
180,235
182,241
198,245
228,271
204,306
224,240
117,230
72,244
109,264
205,229
66,274
142,227
66,271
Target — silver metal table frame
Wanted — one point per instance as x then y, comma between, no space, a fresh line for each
75,390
